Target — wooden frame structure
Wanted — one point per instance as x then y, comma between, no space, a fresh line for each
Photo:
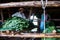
34,35
29,4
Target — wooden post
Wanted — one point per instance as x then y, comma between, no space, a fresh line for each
2,18
30,12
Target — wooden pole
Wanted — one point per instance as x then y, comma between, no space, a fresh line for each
30,12
30,4
2,18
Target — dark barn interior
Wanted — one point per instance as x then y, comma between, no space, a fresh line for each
54,13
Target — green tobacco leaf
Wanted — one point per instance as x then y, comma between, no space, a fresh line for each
15,23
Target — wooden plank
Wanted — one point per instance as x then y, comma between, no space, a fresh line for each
56,19
26,35
29,4
33,35
58,27
2,18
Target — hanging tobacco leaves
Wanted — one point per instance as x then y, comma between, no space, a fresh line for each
49,27
15,23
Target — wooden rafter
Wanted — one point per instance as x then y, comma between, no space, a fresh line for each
29,4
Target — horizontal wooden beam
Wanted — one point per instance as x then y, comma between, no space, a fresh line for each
34,35
58,27
29,4
56,19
